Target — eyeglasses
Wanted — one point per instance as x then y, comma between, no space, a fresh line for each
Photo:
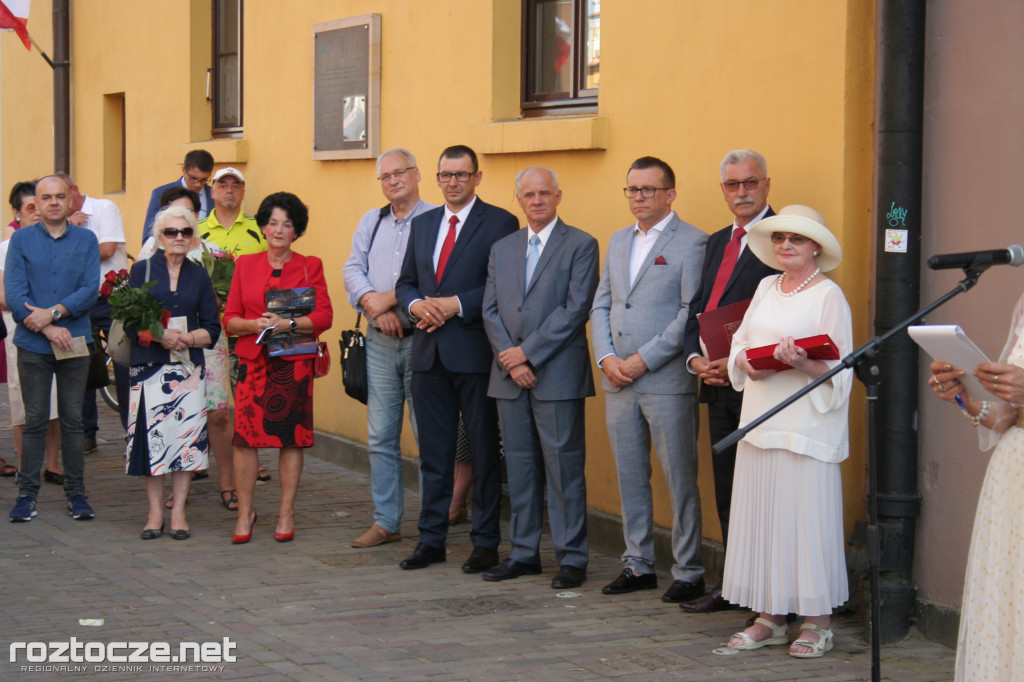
173,232
748,184
645,192
199,181
794,239
461,176
399,174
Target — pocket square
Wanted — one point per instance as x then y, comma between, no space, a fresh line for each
660,260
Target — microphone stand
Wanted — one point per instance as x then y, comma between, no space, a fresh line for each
866,363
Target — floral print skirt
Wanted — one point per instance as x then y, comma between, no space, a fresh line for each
274,403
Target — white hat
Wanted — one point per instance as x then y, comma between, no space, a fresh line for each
229,171
802,220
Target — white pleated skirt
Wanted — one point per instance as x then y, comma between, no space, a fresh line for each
785,552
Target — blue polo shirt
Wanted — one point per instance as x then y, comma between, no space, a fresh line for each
43,271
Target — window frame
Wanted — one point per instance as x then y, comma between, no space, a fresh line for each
221,127
575,101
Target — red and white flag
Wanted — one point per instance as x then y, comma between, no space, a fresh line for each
14,15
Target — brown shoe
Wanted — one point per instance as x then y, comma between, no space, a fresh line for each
376,536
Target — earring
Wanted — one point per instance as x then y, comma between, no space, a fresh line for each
817,253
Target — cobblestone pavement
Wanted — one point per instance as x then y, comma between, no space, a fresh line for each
316,609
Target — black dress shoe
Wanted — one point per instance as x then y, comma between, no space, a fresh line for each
628,581
480,559
681,591
568,576
510,568
180,534
712,601
423,556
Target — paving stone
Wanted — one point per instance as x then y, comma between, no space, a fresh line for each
318,609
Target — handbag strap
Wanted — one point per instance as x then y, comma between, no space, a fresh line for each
384,210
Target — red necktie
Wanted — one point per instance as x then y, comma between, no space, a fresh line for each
732,254
446,248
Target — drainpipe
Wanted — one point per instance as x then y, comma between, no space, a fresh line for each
897,287
61,88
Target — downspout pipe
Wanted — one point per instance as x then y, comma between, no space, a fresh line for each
61,87
897,296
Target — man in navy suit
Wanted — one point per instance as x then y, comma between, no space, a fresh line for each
195,175
442,288
745,185
540,286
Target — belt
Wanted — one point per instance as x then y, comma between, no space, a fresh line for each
406,331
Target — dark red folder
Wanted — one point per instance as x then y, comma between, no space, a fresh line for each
717,327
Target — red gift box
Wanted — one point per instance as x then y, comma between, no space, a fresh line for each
820,347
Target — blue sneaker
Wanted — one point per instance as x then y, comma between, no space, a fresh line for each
24,509
79,507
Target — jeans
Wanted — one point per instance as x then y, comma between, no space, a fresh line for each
36,371
389,379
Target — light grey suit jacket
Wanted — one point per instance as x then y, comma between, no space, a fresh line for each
649,317
549,320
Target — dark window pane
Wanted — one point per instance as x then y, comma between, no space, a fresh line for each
561,56
553,40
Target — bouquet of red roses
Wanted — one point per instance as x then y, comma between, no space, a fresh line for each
135,307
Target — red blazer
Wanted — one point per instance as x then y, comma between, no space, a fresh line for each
249,287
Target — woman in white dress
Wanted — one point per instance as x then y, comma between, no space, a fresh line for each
785,550
993,603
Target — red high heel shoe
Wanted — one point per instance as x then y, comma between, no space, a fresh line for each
284,537
242,539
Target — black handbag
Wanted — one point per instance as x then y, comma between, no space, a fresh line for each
353,343
353,362
98,376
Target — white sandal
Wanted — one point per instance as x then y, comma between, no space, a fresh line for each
779,636
819,647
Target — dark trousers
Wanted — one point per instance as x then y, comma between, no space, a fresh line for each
438,397
723,419
36,371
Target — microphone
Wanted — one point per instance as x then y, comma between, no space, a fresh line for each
1012,255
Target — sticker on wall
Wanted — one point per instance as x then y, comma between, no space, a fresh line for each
896,241
897,216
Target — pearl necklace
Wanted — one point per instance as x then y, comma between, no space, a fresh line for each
778,284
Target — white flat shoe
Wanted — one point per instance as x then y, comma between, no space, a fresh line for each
778,637
818,647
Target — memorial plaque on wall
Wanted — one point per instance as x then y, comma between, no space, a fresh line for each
346,88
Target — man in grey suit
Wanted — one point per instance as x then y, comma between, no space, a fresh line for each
540,286
651,272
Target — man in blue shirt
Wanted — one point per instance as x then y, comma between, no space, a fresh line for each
370,278
50,283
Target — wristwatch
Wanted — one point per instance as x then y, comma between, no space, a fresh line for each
293,324
56,314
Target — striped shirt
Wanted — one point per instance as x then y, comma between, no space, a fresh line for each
377,268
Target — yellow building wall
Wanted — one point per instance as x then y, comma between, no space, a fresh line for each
685,80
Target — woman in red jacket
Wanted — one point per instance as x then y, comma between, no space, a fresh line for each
274,397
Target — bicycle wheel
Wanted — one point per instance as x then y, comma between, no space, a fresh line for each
109,392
